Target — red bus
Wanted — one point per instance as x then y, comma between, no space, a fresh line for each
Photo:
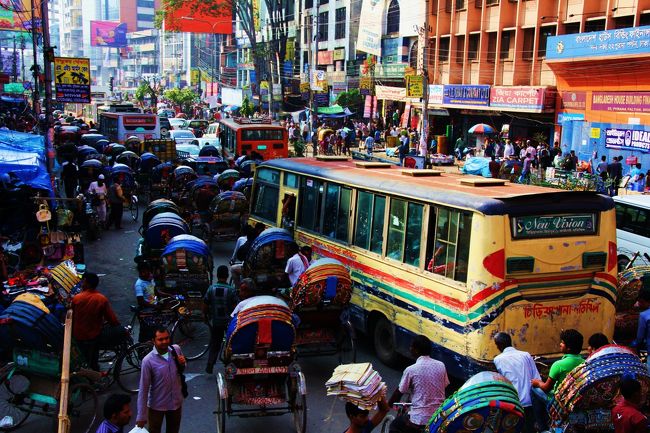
261,135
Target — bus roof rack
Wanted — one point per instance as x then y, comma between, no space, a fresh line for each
473,181
253,120
421,173
367,164
332,158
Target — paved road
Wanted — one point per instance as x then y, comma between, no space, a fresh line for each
112,258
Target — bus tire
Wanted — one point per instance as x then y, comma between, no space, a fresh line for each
384,342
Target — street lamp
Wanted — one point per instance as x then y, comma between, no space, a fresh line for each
214,48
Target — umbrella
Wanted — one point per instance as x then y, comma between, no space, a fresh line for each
481,128
209,150
92,163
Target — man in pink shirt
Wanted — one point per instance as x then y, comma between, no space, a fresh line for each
425,381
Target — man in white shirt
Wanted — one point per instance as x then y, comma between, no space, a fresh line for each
519,368
508,150
297,264
425,381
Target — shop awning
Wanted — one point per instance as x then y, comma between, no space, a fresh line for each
332,109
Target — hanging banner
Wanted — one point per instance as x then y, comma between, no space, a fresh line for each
365,85
414,86
405,115
72,79
370,27
391,93
436,93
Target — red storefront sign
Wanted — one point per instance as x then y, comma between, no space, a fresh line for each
325,57
574,100
524,98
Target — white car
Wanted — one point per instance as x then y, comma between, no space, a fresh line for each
191,149
177,123
182,136
632,228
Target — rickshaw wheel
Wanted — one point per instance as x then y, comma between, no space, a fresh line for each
10,398
82,406
347,347
127,368
133,208
298,403
193,336
220,413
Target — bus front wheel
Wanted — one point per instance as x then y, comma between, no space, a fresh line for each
384,341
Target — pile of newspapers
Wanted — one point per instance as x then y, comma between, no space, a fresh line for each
359,384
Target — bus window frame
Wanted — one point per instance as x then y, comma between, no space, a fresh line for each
263,185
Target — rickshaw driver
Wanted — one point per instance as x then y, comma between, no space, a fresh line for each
249,298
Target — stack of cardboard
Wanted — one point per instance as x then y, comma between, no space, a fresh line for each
359,384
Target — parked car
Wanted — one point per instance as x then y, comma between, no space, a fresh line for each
191,149
166,112
632,228
198,126
211,132
178,123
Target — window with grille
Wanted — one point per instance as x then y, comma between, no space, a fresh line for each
443,53
339,29
492,47
460,5
392,18
507,40
323,25
529,44
545,33
472,49
460,49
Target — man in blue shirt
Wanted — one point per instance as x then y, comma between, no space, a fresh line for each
117,414
643,333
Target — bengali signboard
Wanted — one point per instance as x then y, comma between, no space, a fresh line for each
414,86
325,57
526,98
365,85
107,34
618,42
72,79
304,91
390,93
543,226
370,27
627,139
436,93
456,94
339,54
10,62
16,15
574,100
624,102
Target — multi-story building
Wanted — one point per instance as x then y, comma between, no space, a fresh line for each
138,14
71,37
143,57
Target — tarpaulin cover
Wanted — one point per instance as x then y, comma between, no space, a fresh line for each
188,242
25,325
23,155
477,166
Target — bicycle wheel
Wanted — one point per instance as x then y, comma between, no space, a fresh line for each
193,337
12,410
128,366
133,208
82,407
385,425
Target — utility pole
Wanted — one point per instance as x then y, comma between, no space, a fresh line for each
48,58
36,97
14,62
425,79
312,68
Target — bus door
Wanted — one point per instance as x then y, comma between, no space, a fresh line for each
288,196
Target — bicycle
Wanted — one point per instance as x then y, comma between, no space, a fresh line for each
133,207
402,409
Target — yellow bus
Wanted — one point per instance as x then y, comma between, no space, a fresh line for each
455,258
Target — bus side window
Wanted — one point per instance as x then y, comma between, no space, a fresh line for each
464,238
337,212
363,219
413,234
377,234
311,202
288,211
267,189
431,236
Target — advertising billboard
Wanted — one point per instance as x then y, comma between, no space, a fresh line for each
16,15
107,34
196,16
72,79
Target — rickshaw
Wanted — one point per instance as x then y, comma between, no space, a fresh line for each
202,192
583,401
132,143
89,171
227,179
90,139
113,150
209,165
246,168
66,134
160,179
128,158
187,272
627,316
320,298
83,152
143,175
261,372
159,231
267,258
65,152
486,403
157,207
229,213
181,176
124,174
245,186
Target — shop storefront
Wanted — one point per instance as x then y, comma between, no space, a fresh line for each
604,93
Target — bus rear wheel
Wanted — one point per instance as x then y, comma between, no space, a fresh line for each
384,341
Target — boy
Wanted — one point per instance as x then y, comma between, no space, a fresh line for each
359,420
145,293
219,301
626,416
570,345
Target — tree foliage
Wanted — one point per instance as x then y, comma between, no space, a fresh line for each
146,89
351,99
247,107
181,97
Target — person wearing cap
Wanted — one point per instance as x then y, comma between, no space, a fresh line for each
99,190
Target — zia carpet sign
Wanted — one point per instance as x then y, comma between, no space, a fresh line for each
627,139
72,79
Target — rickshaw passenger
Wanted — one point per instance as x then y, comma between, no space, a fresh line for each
248,297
